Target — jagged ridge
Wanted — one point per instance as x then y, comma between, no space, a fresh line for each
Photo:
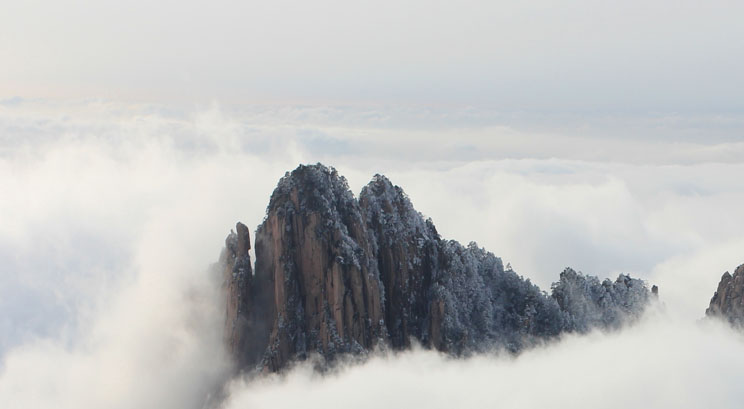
728,300
336,275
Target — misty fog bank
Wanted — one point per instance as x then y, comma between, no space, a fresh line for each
115,213
657,363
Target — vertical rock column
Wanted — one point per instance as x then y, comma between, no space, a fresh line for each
237,276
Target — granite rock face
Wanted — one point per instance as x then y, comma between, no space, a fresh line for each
336,275
728,300
405,251
314,250
245,300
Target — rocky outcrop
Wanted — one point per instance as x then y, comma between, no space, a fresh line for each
337,275
444,295
728,300
589,303
405,249
246,299
314,248
237,274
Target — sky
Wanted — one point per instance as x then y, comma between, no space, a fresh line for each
602,136
574,56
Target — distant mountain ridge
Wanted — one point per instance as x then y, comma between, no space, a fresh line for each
336,275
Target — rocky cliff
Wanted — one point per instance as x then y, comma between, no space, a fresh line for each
337,275
315,251
728,300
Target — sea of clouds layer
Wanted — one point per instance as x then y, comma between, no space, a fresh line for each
112,214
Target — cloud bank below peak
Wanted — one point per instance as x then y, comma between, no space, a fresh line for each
655,364
118,210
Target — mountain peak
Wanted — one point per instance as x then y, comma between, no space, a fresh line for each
312,187
728,300
336,275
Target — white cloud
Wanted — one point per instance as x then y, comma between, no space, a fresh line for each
657,364
116,210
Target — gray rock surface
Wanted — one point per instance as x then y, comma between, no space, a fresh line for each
728,300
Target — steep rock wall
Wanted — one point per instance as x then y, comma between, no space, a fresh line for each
313,246
406,249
